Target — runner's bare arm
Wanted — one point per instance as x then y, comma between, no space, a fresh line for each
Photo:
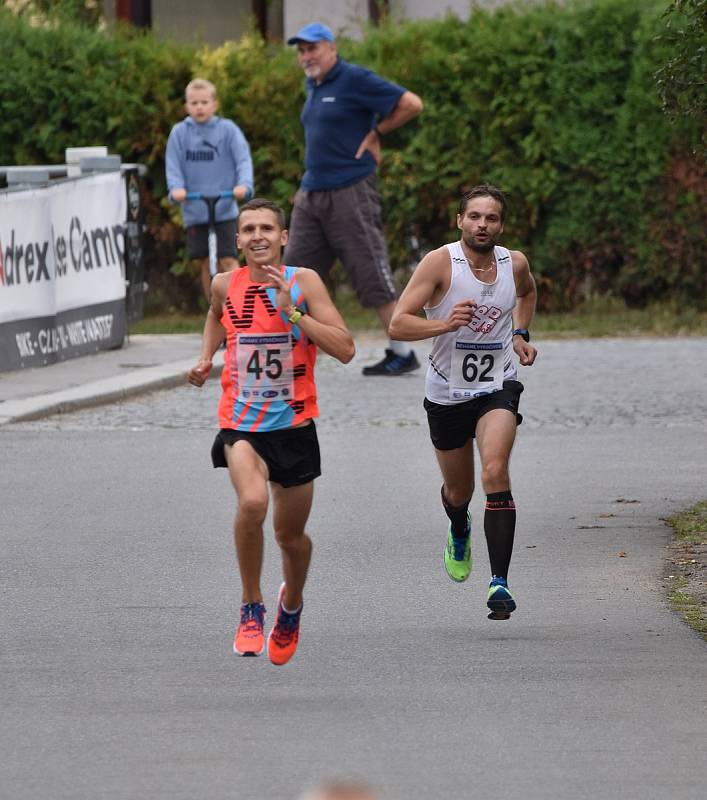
526,294
214,332
322,323
427,285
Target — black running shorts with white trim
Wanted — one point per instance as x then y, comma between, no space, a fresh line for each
291,454
452,426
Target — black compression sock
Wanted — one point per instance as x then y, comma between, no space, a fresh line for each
457,516
500,526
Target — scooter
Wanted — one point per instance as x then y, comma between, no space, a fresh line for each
211,201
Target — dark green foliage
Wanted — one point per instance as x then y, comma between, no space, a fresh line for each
682,79
557,105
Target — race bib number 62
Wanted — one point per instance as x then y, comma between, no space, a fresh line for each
477,369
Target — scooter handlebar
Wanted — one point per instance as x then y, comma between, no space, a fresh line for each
202,196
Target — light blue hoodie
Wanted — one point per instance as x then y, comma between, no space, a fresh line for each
210,158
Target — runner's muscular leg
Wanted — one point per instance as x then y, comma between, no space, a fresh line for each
291,507
495,435
249,476
457,468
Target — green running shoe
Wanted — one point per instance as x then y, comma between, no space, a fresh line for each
457,555
500,599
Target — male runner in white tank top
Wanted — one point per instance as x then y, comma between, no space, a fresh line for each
479,299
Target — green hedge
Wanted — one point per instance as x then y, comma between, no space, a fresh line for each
557,105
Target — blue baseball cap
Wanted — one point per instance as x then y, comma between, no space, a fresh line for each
314,32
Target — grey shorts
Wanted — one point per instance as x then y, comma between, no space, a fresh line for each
198,240
346,224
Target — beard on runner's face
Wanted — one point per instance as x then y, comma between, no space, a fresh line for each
484,244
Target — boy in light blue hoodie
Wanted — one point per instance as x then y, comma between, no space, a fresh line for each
208,154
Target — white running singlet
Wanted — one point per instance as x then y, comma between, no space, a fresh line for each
475,359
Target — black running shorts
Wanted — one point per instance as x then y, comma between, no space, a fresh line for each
291,454
452,426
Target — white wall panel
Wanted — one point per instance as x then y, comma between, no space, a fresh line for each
345,17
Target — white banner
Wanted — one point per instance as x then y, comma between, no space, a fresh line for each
61,246
62,271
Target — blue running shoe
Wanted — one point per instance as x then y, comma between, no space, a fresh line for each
393,364
500,599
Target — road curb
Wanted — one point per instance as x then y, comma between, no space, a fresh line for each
106,390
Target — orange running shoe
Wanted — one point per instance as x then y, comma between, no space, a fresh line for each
283,638
250,639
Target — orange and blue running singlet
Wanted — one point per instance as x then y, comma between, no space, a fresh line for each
268,374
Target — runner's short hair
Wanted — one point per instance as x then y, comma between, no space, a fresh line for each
484,190
259,203
201,83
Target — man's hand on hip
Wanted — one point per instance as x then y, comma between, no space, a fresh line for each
372,143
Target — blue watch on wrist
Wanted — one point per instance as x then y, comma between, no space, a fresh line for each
522,332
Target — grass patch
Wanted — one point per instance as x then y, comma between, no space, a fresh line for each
176,322
687,593
688,607
610,317
691,525
597,318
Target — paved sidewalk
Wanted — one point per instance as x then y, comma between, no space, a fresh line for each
144,362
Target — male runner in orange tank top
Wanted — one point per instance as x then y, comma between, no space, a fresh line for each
273,318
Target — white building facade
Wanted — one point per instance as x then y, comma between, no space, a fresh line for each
215,21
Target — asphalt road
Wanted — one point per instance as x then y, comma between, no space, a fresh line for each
120,596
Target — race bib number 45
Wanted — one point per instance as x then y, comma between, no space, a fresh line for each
265,367
477,369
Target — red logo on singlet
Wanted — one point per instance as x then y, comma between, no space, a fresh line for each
485,319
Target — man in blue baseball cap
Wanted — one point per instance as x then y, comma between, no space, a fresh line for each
337,210
314,32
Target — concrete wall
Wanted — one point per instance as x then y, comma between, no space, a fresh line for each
424,9
211,22
215,21
345,17
348,17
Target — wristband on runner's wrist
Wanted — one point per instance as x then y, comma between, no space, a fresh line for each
296,314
